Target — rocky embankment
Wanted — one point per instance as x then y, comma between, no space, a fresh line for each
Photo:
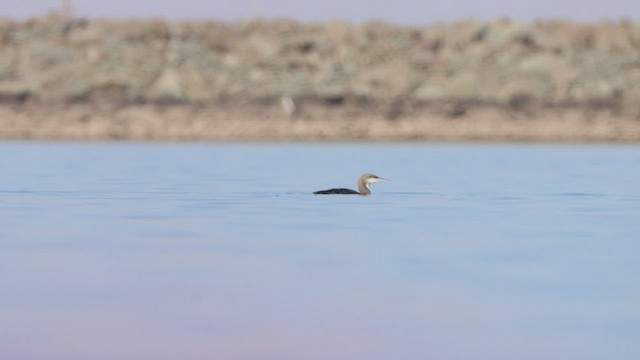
470,80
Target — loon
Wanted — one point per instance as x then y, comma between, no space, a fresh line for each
363,187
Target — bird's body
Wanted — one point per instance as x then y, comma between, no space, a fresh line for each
338,191
363,187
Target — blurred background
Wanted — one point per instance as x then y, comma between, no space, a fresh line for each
367,70
403,12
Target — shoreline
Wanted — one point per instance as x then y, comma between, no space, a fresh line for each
280,80
313,123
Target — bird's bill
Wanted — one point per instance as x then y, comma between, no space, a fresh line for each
377,179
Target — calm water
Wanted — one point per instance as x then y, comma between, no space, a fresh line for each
210,251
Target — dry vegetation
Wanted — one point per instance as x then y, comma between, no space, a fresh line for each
502,80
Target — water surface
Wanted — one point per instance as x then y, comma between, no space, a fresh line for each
219,251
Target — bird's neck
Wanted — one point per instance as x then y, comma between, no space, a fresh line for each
363,188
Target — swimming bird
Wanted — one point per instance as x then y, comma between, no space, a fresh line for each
363,187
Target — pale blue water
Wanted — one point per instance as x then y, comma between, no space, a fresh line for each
219,251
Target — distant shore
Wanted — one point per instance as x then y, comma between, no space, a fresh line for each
280,80
153,122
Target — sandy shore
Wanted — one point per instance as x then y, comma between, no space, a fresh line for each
80,79
85,121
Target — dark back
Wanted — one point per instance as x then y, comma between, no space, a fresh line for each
337,191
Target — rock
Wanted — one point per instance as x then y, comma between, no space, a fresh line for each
168,86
